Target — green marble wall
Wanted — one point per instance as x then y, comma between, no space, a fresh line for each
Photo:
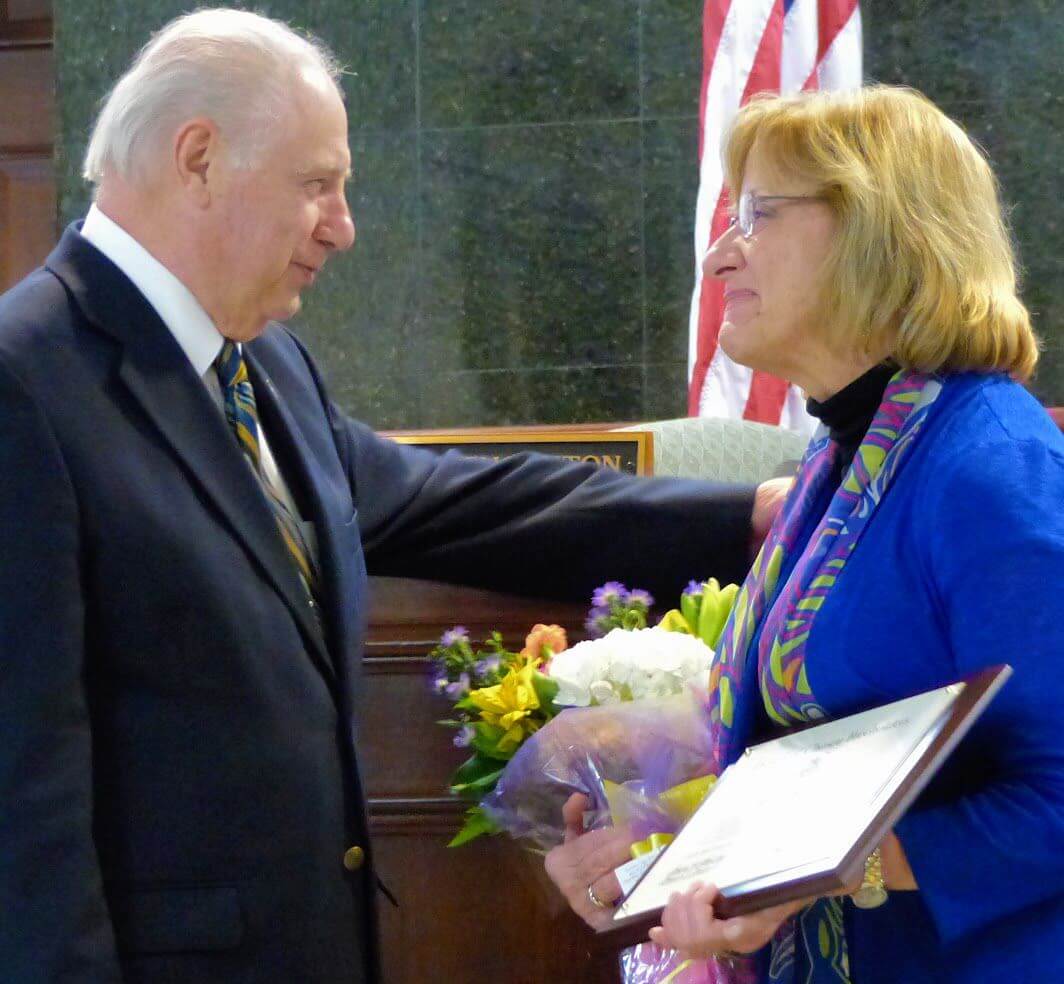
526,176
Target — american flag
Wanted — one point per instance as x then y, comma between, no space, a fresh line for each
752,46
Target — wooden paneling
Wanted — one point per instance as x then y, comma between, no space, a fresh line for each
28,227
20,11
27,80
409,615
26,23
486,911
413,751
27,215
480,914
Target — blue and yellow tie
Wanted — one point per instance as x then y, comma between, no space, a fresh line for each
243,419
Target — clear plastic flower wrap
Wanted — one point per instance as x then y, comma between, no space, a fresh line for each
642,764
646,747
649,964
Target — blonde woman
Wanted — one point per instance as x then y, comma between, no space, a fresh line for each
868,262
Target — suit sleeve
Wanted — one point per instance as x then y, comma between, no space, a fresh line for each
986,841
54,923
538,525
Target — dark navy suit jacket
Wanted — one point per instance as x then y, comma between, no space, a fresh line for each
178,727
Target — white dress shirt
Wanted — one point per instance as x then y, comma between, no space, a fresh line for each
190,325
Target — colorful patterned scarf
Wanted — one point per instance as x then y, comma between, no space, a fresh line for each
811,947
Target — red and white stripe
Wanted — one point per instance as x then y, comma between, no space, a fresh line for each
752,46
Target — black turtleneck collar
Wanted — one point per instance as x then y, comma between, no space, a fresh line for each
849,412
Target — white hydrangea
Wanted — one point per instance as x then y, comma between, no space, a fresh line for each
629,665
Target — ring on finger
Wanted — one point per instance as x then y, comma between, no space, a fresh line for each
595,900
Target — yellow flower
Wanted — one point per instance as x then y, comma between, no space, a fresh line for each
508,705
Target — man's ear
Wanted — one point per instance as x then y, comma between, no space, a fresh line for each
196,155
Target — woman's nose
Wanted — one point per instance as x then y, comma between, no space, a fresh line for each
724,256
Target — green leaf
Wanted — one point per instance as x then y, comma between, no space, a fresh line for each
476,776
477,824
486,738
473,768
479,788
546,690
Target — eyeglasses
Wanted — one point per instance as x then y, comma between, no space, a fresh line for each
750,209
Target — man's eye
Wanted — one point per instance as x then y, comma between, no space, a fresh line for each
317,185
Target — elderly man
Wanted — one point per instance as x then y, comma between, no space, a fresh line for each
187,525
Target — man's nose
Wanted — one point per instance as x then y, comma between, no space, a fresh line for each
337,230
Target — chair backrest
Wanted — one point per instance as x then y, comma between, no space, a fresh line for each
723,450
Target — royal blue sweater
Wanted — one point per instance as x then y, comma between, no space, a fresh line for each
962,567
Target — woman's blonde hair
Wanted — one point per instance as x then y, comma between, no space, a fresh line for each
922,265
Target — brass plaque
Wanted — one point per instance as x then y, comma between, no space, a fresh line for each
630,452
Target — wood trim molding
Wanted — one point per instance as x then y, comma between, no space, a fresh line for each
407,617
28,163
37,32
413,817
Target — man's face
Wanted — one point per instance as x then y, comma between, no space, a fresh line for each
277,222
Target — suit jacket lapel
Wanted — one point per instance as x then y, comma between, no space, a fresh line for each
160,377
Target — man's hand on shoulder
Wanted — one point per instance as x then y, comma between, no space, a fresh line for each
768,499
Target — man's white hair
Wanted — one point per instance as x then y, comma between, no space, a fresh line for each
233,66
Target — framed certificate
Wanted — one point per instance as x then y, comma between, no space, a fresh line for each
841,785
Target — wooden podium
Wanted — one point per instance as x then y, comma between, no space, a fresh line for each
484,913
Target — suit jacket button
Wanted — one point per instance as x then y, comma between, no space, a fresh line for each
354,858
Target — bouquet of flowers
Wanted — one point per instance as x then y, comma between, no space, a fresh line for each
502,698
619,717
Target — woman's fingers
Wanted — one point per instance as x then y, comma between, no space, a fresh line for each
573,816
587,861
606,890
688,924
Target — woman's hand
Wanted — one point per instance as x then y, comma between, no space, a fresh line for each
587,860
768,500
897,874
689,925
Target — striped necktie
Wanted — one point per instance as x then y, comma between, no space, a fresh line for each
243,419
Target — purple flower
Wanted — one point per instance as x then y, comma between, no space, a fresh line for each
459,688
610,592
693,588
439,683
453,636
594,623
637,596
486,666
465,736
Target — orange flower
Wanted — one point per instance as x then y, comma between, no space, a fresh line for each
542,637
